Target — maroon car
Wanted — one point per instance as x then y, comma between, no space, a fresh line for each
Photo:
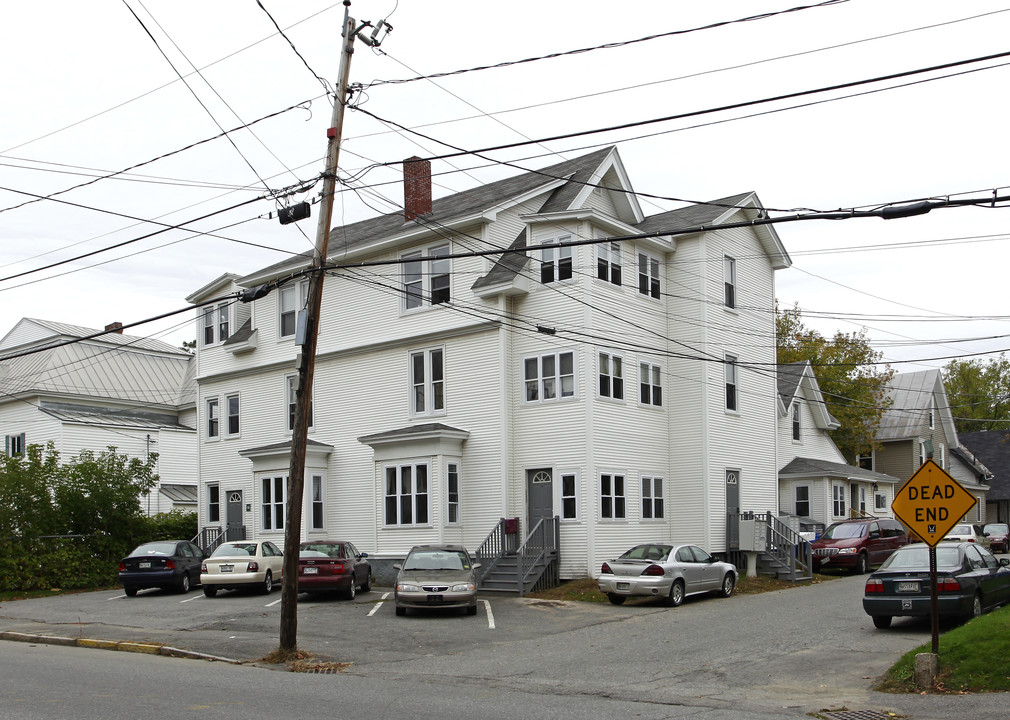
333,565
997,534
857,545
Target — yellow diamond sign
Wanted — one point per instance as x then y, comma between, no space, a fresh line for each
931,503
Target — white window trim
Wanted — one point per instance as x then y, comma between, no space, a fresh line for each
613,495
732,371
399,465
290,399
300,291
795,425
311,502
554,256
648,368
605,253
880,500
611,375
729,283
207,417
225,419
449,463
15,445
842,497
214,314
650,260
211,504
428,382
559,494
557,377
273,503
653,480
426,259
797,501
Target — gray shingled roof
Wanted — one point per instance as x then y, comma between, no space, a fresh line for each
992,449
788,378
911,395
422,430
811,467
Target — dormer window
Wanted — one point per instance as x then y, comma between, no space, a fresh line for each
556,262
215,324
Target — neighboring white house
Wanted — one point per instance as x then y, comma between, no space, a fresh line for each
58,384
622,386
816,484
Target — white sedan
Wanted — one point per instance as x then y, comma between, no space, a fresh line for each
671,572
242,564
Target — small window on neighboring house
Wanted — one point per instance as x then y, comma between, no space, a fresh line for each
231,408
569,497
796,421
612,497
556,262
14,445
865,461
652,498
729,281
426,277
213,418
406,495
648,275
549,377
215,324
316,494
931,416
292,299
427,378
942,456
732,387
611,376
608,262
291,399
838,500
862,498
273,491
923,453
213,504
879,501
803,500
650,382
452,493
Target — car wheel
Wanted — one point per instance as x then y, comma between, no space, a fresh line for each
183,585
471,610
728,585
882,621
676,596
268,583
862,564
616,599
130,591
209,590
976,607
367,587
352,589
401,611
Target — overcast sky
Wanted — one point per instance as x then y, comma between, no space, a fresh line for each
88,92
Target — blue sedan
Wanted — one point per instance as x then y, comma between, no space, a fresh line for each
166,564
969,581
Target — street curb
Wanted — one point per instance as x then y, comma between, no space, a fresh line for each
122,646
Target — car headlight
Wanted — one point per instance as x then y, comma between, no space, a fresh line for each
403,587
846,551
464,587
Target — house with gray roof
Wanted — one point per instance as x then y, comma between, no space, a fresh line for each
988,453
534,357
85,389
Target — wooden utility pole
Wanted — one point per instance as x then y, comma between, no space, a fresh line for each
307,357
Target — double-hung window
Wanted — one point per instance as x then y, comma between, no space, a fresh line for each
427,379
556,262
215,324
213,418
452,493
732,384
796,421
613,501
213,504
406,495
273,491
611,376
232,414
729,281
569,496
426,275
802,504
652,498
650,381
291,399
648,275
14,445
292,299
549,377
316,514
838,500
608,262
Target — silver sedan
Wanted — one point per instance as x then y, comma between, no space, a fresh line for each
668,571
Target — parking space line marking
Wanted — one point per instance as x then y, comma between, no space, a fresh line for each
195,597
377,605
275,602
490,615
115,597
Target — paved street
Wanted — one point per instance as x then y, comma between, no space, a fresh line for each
787,653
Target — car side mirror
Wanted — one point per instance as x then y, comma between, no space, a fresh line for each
396,566
477,565
1004,561
875,535
364,555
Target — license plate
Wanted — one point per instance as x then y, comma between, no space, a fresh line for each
310,571
143,565
226,568
434,598
908,587
623,586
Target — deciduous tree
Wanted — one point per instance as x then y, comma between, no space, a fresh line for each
979,393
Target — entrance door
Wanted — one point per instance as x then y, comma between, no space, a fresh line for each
539,496
732,510
236,525
854,501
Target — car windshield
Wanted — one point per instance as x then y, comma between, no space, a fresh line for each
962,530
155,548
332,550
996,529
844,530
917,557
654,553
437,560
229,549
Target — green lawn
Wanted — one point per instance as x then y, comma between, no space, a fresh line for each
972,658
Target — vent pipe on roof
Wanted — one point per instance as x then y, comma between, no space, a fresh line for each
416,188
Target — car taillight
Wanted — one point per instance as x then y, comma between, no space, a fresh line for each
203,567
873,585
252,566
654,570
122,567
605,570
170,564
947,585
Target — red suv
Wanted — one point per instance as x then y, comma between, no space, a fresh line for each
858,544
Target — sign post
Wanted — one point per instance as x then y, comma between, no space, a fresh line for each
930,504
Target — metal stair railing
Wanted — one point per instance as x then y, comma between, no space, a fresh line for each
789,548
209,538
538,551
499,542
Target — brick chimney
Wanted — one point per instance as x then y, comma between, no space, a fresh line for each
116,327
416,188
